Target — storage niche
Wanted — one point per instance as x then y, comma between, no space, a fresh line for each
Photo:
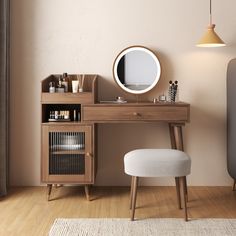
61,112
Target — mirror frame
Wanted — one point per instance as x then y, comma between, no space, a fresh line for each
125,51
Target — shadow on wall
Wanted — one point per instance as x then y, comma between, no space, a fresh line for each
24,85
167,74
114,140
205,121
209,134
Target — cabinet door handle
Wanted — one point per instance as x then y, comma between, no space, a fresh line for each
136,114
88,154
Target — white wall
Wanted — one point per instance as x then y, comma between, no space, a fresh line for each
75,36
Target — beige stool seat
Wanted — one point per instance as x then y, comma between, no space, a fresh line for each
158,163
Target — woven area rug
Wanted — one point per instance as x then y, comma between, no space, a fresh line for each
149,227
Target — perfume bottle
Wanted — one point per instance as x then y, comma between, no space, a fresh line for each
52,88
56,115
65,81
60,87
67,115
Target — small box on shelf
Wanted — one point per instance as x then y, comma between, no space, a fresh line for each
61,112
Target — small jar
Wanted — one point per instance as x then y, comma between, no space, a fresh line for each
162,98
52,88
56,115
155,100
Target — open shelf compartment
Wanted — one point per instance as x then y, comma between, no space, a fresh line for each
88,95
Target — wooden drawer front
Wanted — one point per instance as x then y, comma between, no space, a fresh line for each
136,113
84,98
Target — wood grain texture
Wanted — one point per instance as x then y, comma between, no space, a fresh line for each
26,211
184,191
65,98
88,86
134,196
86,97
177,183
88,177
167,112
178,134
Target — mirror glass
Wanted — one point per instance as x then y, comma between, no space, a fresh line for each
136,69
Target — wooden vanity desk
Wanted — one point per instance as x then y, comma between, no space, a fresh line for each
69,119
174,114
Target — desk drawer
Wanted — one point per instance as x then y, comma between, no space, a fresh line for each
104,113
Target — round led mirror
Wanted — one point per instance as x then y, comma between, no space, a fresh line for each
136,69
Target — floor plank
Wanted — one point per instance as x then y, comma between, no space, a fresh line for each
26,211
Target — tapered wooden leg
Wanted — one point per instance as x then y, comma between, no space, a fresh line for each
134,197
234,185
178,137
49,187
186,188
131,191
178,191
172,136
185,198
86,189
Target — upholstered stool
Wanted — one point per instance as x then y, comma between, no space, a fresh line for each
158,163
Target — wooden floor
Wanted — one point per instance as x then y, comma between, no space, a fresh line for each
26,211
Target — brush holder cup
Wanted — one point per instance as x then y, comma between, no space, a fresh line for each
173,92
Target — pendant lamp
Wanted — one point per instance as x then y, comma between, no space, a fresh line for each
210,38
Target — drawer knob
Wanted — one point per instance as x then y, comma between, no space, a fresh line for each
136,114
88,154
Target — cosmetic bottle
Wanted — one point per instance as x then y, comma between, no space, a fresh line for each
74,115
56,115
65,81
60,87
52,88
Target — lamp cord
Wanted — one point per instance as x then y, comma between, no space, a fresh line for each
210,14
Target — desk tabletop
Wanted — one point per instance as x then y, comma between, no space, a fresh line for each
138,104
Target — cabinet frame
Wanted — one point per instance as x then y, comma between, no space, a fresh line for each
89,96
88,177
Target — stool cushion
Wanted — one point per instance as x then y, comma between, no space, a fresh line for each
157,163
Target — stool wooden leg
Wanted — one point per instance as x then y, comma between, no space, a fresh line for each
134,196
178,191
186,188
49,186
234,185
131,191
185,197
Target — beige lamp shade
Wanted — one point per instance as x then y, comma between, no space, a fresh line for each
210,38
